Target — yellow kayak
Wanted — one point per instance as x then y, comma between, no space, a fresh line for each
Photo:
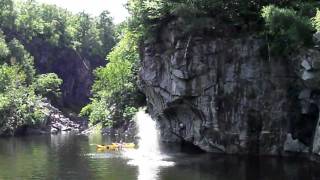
107,147
116,146
128,145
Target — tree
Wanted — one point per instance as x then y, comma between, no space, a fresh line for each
19,106
4,50
55,22
22,58
48,85
7,14
287,31
106,32
28,21
11,78
86,34
116,96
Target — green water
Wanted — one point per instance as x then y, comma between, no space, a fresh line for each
73,157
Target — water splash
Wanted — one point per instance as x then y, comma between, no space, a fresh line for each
148,157
148,134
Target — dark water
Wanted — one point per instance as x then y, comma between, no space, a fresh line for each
72,157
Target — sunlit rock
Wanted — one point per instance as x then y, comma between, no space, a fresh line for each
230,96
294,145
306,65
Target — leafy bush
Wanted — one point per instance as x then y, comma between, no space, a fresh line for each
7,13
11,78
316,21
4,50
97,112
115,91
21,57
286,30
48,85
20,106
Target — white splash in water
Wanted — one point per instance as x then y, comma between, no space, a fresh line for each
147,157
148,134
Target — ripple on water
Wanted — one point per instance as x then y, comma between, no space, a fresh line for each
100,155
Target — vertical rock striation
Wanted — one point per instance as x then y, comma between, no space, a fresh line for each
225,95
73,68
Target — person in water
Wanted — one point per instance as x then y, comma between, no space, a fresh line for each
120,145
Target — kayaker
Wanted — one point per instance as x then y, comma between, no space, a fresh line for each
120,144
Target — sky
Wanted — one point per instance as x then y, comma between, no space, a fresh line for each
94,7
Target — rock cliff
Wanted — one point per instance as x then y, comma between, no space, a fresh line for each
73,68
226,95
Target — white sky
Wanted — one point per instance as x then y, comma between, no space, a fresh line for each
94,7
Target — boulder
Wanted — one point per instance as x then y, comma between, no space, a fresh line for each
294,145
54,130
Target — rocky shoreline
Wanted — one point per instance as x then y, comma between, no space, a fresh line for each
57,122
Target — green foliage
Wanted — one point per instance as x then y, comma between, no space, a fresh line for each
316,21
306,8
97,112
4,50
20,106
85,34
27,23
286,30
29,19
7,14
19,56
89,35
106,32
148,15
115,91
48,85
44,21
11,78
129,112
117,75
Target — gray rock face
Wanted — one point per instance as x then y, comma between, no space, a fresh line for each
223,95
294,145
54,123
73,68
58,122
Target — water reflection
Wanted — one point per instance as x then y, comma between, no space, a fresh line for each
72,157
65,157
68,157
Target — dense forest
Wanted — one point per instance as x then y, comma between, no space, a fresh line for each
23,24
286,25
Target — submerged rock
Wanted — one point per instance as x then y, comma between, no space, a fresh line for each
294,145
226,95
